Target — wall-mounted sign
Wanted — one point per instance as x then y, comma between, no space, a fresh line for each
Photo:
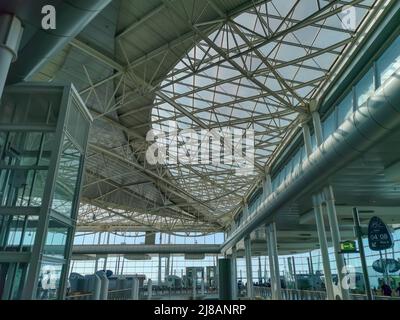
348,247
379,236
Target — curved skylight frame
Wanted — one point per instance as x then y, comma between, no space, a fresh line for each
256,71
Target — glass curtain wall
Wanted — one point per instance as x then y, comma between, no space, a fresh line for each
43,134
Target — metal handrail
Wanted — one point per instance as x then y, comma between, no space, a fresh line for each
293,294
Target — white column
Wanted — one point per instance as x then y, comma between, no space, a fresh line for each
335,234
246,212
194,286
267,189
249,269
149,289
323,245
307,139
97,288
271,263
167,267
294,272
159,270
234,274
216,273
276,286
10,36
135,289
104,287
203,288
317,127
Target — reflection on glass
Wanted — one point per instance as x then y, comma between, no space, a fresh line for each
17,233
30,108
389,62
329,125
49,281
12,277
21,180
66,179
56,239
365,88
345,108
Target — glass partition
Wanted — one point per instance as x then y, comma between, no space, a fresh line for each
43,136
67,178
49,280
56,239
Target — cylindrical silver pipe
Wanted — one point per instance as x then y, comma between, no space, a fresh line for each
135,289
97,288
104,287
10,36
366,127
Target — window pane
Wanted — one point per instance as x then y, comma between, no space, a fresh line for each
49,281
365,88
56,239
389,62
345,108
67,178
329,125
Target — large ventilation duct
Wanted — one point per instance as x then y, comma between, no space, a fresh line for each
366,127
37,44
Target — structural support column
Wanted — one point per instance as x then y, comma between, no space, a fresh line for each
246,211
149,289
10,36
234,274
97,288
159,282
335,235
271,262
323,245
194,286
274,262
267,185
259,271
167,267
317,127
294,272
216,273
135,289
104,286
249,269
307,139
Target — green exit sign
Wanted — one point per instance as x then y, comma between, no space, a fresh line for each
348,247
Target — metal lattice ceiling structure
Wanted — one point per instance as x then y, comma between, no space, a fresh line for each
206,64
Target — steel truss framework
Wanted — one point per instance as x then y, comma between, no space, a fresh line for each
256,66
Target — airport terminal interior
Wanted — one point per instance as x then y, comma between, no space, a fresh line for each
199,150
